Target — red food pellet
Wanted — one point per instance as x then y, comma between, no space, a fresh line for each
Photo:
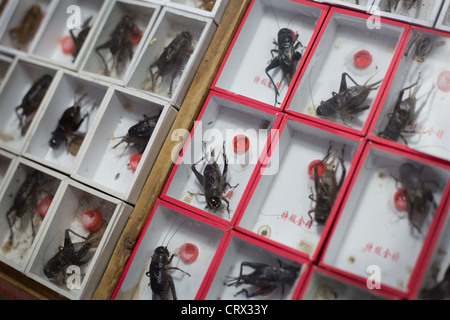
189,252
43,206
92,220
362,59
400,199
67,45
320,168
134,160
443,81
241,143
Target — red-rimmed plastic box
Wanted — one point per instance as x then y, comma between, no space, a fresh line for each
323,284
354,44
7,166
110,159
213,9
283,206
99,62
17,119
69,15
215,134
374,229
172,227
443,20
432,277
24,207
242,72
422,83
16,37
244,255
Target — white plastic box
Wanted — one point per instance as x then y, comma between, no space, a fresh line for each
143,15
12,18
428,75
371,230
443,20
5,62
78,280
45,183
278,207
20,78
344,38
213,9
221,119
170,25
69,15
242,72
70,88
423,12
172,227
431,280
103,162
7,166
363,5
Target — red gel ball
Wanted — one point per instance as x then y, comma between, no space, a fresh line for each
443,81
67,44
134,160
189,252
241,143
400,199
320,168
137,36
43,206
92,220
362,59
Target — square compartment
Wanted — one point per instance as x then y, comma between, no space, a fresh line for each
78,280
324,285
443,21
171,227
143,16
107,168
25,190
424,12
277,208
71,88
431,281
68,15
172,24
426,132
347,35
221,119
18,11
209,8
243,70
241,249
19,80
373,230
5,63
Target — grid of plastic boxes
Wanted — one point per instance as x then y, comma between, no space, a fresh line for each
318,168
89,92
319,164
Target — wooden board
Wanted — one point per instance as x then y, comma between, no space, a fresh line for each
189,111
